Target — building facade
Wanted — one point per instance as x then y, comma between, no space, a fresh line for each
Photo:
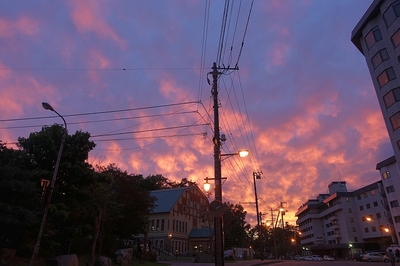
180,222
343,223
377,37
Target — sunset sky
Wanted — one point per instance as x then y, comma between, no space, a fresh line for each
134,75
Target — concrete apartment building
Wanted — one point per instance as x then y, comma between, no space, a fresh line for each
377,37
343,223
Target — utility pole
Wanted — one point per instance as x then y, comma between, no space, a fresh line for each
257,175
218,222
274,227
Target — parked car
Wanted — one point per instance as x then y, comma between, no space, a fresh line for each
316,257
308,258
327,257
375,256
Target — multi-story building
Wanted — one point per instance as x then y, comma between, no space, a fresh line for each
391,182
377,37
180,222
342,223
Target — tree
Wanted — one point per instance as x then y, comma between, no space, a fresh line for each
235,226
68,219
18,212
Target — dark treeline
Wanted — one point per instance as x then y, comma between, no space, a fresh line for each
92,209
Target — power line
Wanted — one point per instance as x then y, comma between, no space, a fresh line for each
100,112
106,120
146,130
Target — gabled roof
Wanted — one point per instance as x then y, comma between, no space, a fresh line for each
167,198
201,233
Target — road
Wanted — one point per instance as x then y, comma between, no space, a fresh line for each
285,263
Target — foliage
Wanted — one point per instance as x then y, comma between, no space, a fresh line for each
17,189
235,224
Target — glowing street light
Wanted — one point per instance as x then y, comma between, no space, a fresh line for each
51,187
381,228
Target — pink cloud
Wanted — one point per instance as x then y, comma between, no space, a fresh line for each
88,17
20,26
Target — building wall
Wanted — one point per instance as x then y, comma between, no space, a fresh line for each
336,223
391,184
190,211
377,36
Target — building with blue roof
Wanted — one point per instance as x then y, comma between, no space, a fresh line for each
180,222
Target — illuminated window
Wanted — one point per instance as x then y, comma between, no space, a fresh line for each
395,120
379,57
372,192
373,36
386,76
386,174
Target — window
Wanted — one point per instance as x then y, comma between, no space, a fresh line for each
373,229
394,204
390,189
368,206
352,219
353,229
396,38
361,208
183,209
158,225
397,219
391,97
152,225
373,36
395,121
378,215
358,197
366,230
375,204
386,76
162,225
350,210
365,195
347,199
355,239
386,174
379,57
392,13
372,192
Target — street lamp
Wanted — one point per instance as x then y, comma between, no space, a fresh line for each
381,228
51,187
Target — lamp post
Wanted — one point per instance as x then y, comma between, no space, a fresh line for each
51,187
218,225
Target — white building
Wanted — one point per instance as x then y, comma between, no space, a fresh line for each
342,223
377,36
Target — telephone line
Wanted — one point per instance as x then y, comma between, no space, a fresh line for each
99,112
